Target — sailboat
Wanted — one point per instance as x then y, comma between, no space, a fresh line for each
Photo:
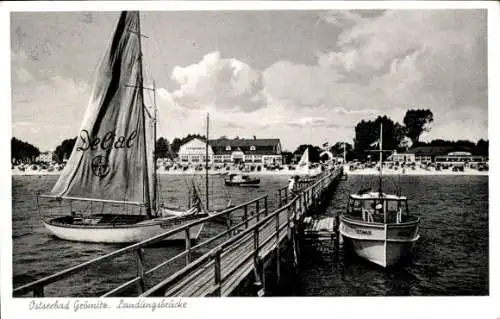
110,179
304,166
377,226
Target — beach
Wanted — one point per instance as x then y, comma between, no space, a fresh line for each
264,172
287,172
416,172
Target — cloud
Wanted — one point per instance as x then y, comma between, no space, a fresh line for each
61,100
399,60
342,18
353,66
227,83
432,59
20,72
297,85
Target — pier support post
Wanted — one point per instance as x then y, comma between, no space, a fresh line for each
265,206
140,270
217,272
245,215
188,246
289,223
257,210
228,226
38,292
337,235
260,278
258,265
278,270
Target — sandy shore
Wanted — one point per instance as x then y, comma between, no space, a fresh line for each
417,171
284,172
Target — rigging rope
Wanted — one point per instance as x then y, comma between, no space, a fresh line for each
156,43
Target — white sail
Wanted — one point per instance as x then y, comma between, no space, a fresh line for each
110,159
304,160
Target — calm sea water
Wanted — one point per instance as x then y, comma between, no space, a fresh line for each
37,254
451,257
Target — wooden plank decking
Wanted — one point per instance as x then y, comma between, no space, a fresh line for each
237,261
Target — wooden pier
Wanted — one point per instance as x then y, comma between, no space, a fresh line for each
254,240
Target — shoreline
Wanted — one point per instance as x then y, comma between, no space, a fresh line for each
416,172
360,172
201,173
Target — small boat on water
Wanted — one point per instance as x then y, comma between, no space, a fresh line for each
241,180
377,226
109,181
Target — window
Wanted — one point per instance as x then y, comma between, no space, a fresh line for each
392,205
228,148
252,148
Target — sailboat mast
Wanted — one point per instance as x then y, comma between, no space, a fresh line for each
380,173
206,165
141,94
155,175
344,153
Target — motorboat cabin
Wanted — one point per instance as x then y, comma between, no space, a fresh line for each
372,207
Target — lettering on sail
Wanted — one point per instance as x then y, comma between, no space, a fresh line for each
100,165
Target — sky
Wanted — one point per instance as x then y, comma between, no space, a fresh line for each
301,76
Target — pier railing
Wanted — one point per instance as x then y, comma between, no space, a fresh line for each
224,259
284,194
250,211
219,271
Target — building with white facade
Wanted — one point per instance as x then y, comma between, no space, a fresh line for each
194,152
45,157
437,154
232,151
402,157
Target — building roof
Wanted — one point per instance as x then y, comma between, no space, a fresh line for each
269,146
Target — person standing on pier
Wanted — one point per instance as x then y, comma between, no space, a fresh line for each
292,186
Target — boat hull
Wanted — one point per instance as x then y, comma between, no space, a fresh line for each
122,233
383,244
253,182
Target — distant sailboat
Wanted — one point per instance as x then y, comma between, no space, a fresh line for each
304,166
113,162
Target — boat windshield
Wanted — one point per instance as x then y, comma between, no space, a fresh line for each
378,210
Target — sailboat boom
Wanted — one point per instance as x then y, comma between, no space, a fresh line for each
92,199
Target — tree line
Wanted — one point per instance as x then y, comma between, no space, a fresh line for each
401,137
395,136
23,152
